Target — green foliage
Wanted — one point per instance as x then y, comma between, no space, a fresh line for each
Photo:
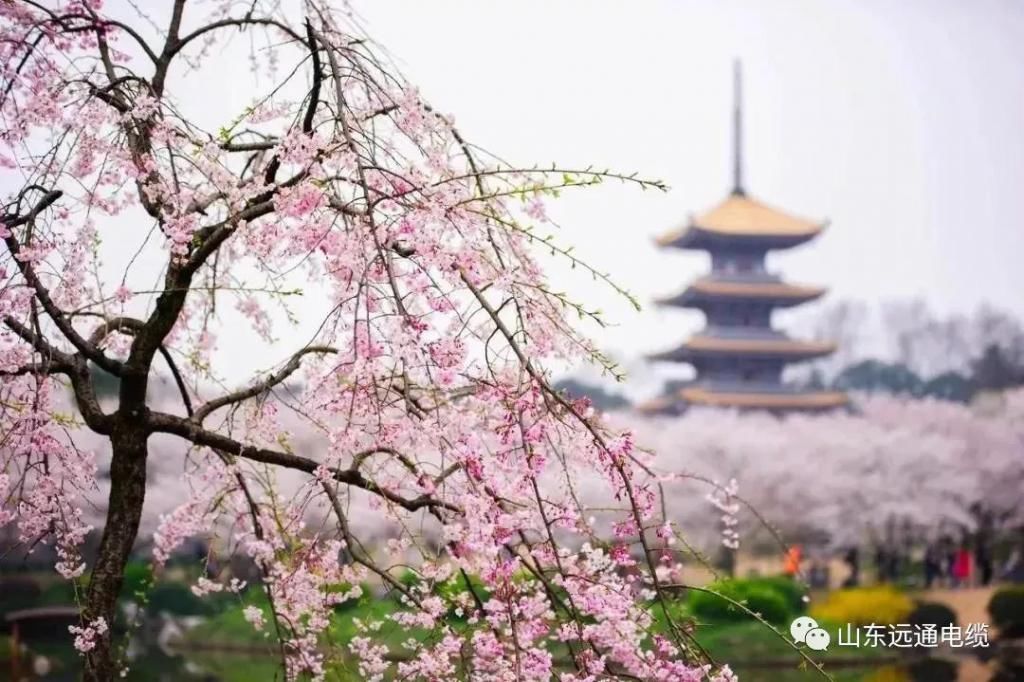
1007,610
106,384
138,576
757,594
950,386
177,599
747,645
994,370
875,375
794,592
349,604
997,370
453,589
932,613
57,593
410,578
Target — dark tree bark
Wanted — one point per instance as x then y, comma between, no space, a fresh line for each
127,494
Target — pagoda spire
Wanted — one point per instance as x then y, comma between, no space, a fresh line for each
737,128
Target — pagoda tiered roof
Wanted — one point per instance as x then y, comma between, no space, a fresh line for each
740,219
716,288
739,357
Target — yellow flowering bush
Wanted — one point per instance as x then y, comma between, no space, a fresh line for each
889,673
883,605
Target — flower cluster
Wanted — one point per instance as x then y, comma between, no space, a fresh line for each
723,498
85,636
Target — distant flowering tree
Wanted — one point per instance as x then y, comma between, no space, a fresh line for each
133,237
840,476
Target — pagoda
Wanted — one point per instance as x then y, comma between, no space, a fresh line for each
738,356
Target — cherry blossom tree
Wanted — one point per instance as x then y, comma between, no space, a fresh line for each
840,476
143,240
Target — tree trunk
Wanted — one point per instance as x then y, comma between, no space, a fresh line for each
127,494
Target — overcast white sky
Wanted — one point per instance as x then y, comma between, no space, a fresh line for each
900,122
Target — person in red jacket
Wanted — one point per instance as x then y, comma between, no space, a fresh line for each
962,566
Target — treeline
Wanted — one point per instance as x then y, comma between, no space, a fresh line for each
904,348
899,348
993,371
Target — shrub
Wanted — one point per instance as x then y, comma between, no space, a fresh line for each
793,591
932,613
57,593
453,588
409,578
756,595
1007,610
137,578
933,670
712,607
177,599
889,673
354,603
883,605
770,603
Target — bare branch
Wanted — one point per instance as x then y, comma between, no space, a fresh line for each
204,410
160,422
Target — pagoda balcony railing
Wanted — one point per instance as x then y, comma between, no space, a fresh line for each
751,275
742,332
753,386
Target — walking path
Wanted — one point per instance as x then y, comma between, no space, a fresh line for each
970,603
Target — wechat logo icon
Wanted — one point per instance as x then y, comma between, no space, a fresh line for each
805,630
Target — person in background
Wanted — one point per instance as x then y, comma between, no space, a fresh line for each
932,564
818,574
791,564
983,560
983,540
881,564
947,548
1013,567
962,567
852,561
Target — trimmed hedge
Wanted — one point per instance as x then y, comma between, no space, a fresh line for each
1007,610
794,592
773,600
932,613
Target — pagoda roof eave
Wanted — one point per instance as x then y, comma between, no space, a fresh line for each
738,219
707,289
821,400
695,238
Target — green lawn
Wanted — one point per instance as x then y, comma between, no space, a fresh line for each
738,643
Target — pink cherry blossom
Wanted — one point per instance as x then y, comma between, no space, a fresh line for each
364,272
